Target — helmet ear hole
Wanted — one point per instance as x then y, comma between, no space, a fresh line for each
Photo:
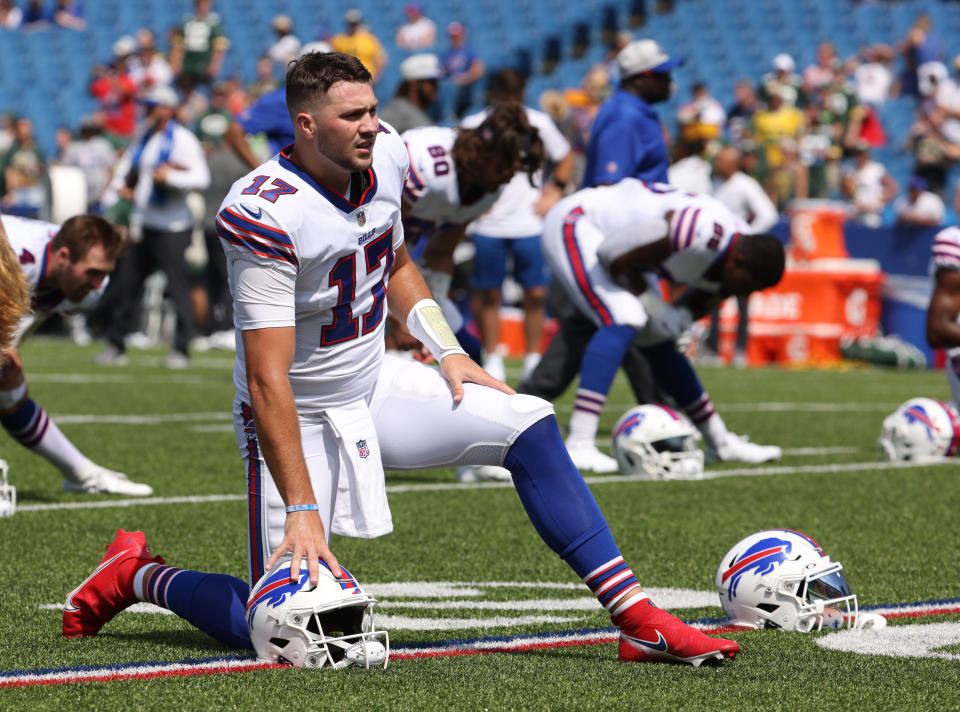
768,607
279,642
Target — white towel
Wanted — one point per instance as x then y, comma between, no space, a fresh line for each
361,508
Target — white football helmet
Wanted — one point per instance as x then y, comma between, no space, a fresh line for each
658,442
780,578
920,429
304,625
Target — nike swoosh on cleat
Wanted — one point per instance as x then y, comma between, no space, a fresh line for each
68,605
659,645
256,215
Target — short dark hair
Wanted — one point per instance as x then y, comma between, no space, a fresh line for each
309,77
81,232
763,257
505,137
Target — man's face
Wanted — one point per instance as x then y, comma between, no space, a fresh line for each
77,279
346,125
655,87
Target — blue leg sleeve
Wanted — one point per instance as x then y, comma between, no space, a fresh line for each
673,373
214,603
603,356
557,500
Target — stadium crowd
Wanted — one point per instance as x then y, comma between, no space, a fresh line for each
799,132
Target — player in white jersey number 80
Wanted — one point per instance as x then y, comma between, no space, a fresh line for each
323,457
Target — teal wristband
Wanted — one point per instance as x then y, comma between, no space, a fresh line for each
303,508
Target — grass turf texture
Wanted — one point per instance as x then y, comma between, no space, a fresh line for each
893,530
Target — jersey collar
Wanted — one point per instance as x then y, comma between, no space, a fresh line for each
332,196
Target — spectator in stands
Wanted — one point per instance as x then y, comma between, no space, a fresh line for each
359,41
462,66
818,152
873,76
778,127
931,153
584,103
920,207
921,45
94,155
740,114
701,119
69,14
690,170
11,16
745,197
265,81
824,72
37,16
418,33
511,229
286,44
26,188
156,173
869,186
783,82
148,67
417,92
116,91
627,138
199,47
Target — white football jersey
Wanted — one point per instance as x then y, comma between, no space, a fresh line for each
30,239
431,188
513,215
633,213
945,254
301,255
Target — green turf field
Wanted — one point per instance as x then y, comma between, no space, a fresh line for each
894,529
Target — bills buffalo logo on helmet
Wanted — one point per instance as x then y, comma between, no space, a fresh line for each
761,558
917,414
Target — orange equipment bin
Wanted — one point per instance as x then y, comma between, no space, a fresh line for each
802,320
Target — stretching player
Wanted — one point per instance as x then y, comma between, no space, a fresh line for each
943,314
606,245
314,244
455,176
66,269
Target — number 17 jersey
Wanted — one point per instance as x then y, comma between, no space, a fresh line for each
301,255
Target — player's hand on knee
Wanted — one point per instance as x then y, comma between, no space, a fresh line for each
460,368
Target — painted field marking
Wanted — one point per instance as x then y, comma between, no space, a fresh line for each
451,486
448,648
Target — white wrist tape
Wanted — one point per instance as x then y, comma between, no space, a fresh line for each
426,323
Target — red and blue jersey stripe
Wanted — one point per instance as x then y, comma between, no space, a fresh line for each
259,238
575,258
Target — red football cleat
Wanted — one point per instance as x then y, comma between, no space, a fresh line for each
650,634
109,589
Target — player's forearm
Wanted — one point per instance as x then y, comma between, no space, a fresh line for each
278,434
405,288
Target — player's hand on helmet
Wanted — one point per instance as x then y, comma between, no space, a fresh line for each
303,537
460,368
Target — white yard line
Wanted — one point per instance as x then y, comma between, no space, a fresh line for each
456,486
771,407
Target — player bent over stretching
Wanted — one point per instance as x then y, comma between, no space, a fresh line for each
66,269
315,248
